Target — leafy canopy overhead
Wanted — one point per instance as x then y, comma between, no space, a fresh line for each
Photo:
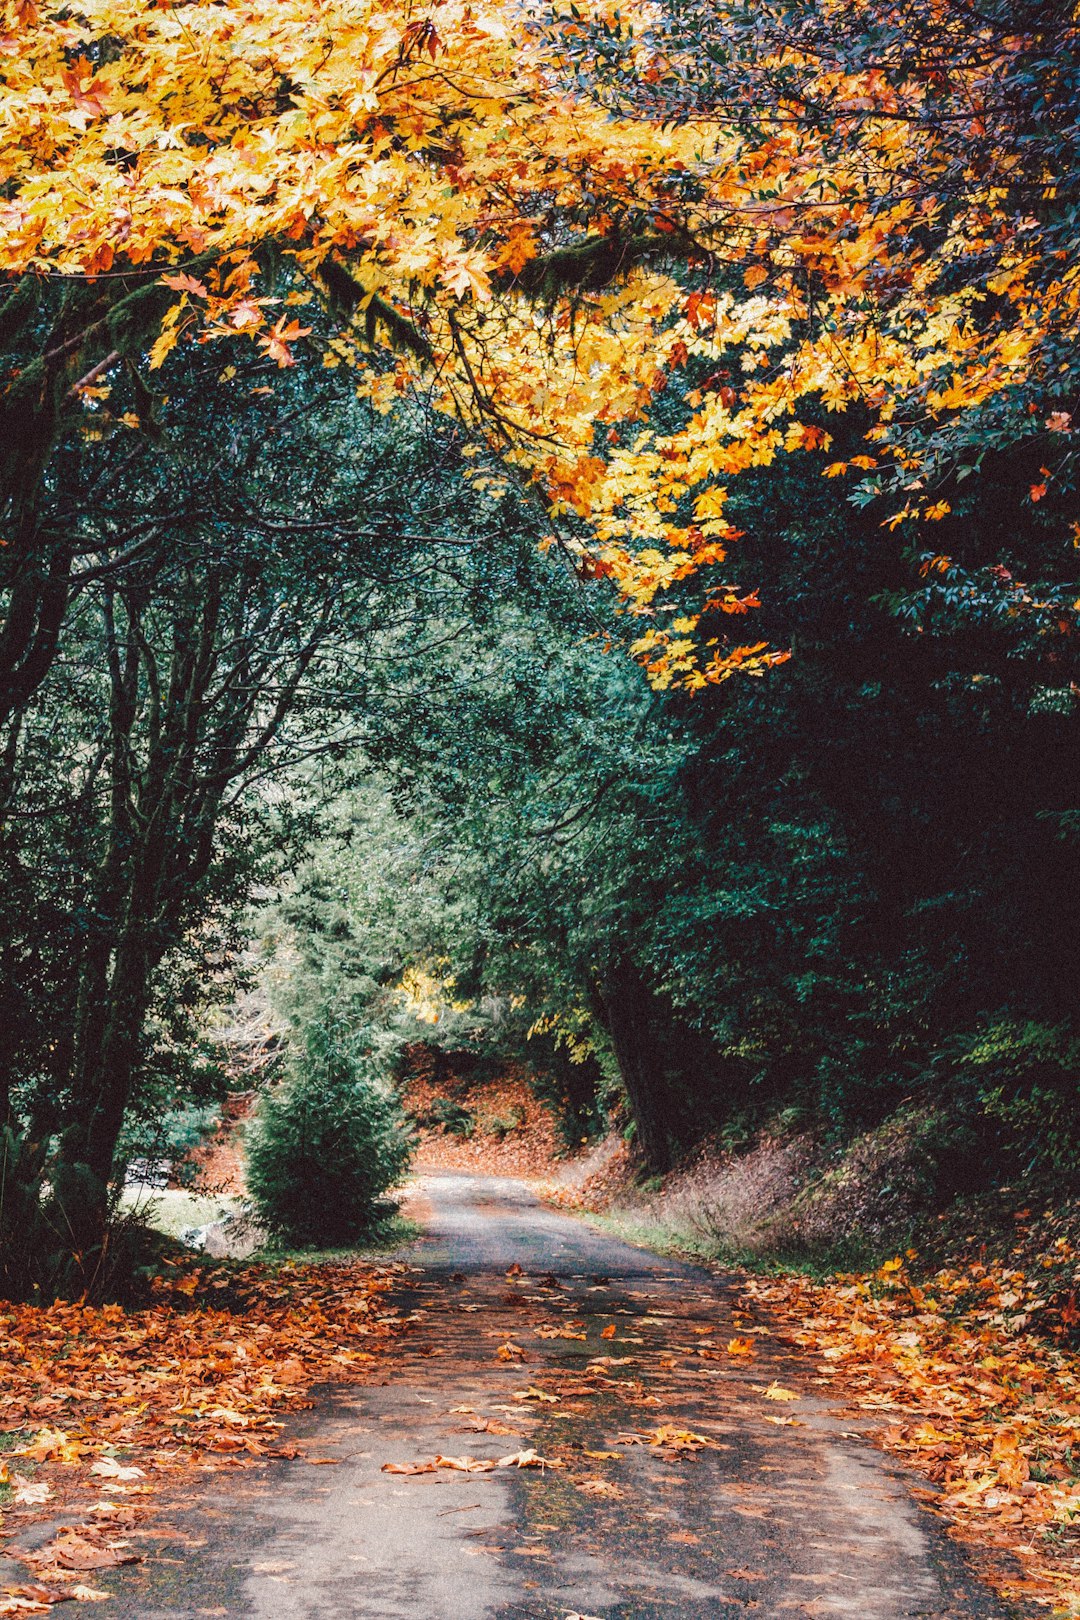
795,208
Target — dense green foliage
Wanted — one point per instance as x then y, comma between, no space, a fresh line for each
819,894
227,570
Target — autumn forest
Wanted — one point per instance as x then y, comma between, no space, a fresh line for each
539,697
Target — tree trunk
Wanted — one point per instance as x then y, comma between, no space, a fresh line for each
626,1004
30,632
107,1060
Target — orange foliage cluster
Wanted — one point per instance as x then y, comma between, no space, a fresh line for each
977,1402
118,1402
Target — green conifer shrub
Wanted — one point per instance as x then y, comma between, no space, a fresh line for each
327,1144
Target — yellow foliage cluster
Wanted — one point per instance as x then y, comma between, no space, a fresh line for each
445,159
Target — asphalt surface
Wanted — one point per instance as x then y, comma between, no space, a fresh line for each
784,1518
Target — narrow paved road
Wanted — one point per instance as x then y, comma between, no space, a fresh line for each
785,1518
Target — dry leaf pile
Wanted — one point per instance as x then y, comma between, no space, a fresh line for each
113,1402
984,1407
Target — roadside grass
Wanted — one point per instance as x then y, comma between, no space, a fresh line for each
648,1232
680,1242
394,1233
171,1210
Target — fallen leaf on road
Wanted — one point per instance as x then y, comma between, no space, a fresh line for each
668,1435
29,1493
608,1332
786,1422
527,1459
109,1468
777,1392
741,1347
510,1351
51,1445
598,1487
460,1465
30,1599
534,1394
89,1594
604,1456
75,1552
546,1332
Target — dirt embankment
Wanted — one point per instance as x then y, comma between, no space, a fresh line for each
492,1127
796,1196
219,1160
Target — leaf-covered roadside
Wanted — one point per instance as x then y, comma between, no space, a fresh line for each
100,1407
978,1402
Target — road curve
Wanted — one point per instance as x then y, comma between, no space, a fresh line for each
770,1521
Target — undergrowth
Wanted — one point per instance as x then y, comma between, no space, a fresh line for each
683,1243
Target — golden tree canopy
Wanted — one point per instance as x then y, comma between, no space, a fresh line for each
550,216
